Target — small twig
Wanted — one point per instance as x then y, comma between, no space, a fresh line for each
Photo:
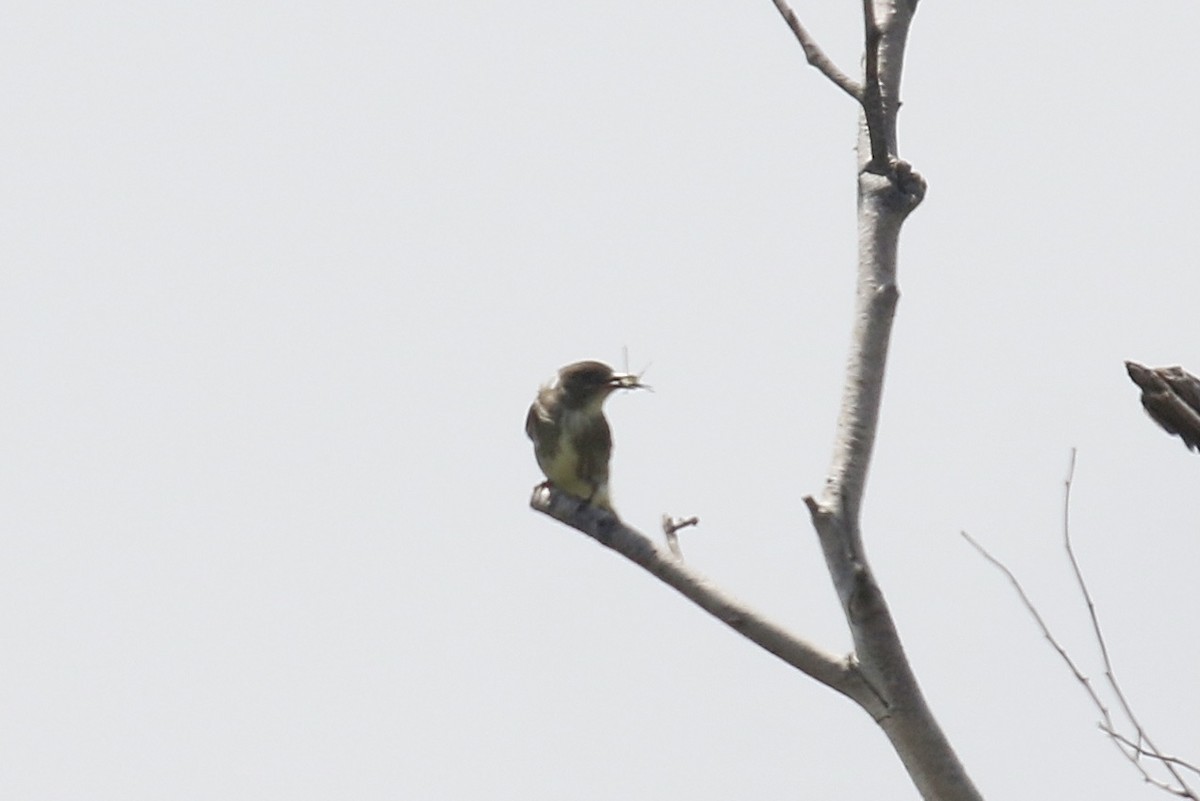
1087,596
1143,752
816,56
1106,725
1062,652
1109,673
669,528
1131,750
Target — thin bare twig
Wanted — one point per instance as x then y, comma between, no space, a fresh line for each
670,527
815,55
1109,673
1106,725
1116,735
1130,749
1045,629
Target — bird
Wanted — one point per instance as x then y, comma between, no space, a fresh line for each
572,441
1171,396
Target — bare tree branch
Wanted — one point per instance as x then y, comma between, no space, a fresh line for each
815,55
1132,749
1109,673
1045,629
872,93
1144,752
839,673
879,120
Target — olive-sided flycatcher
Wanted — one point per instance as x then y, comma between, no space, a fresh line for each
571,437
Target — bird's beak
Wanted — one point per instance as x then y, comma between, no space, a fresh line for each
627,381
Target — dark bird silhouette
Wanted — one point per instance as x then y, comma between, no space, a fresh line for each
1171,396
571,437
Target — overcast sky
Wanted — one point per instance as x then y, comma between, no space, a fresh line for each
280,279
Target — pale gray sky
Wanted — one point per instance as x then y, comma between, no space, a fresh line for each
280,280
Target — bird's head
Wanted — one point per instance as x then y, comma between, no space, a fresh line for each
588,383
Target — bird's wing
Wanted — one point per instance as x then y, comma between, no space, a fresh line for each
1183,384
594,446
532,421
539,422
1174,416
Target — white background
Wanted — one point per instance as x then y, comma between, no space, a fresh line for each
279,281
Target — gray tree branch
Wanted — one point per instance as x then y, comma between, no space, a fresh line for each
838,672
888,191
815,55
